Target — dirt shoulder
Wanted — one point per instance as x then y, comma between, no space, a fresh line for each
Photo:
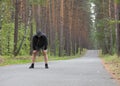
112,65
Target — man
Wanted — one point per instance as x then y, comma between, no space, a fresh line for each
39,43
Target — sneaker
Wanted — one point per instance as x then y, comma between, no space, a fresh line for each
46,66
32,66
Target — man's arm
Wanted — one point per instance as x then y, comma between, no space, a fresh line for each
46,42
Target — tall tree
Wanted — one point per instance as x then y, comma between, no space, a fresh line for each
117,18
61,27
16,26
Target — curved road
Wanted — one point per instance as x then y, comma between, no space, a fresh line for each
85,71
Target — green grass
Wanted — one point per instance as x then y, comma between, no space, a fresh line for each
109,58
9,60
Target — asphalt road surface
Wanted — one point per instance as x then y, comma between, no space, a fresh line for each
85,71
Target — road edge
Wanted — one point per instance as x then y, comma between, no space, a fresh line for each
107,68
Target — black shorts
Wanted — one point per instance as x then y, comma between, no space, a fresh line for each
40,48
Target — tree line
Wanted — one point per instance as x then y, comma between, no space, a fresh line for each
106,26
70,25
65,22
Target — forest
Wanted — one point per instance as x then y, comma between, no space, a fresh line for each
70,25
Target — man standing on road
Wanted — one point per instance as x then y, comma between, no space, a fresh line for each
39,42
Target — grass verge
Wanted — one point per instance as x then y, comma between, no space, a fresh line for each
9,60
112,63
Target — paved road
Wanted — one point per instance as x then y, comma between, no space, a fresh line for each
85,71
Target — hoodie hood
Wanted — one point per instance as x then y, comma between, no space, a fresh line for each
39,33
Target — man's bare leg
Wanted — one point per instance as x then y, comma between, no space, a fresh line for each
33,58
34,54
45,58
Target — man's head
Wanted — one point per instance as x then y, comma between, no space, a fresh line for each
39,33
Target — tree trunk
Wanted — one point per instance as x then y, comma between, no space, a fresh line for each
16,26
0,38
61,27
111,30
117,17
0,35
31,30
